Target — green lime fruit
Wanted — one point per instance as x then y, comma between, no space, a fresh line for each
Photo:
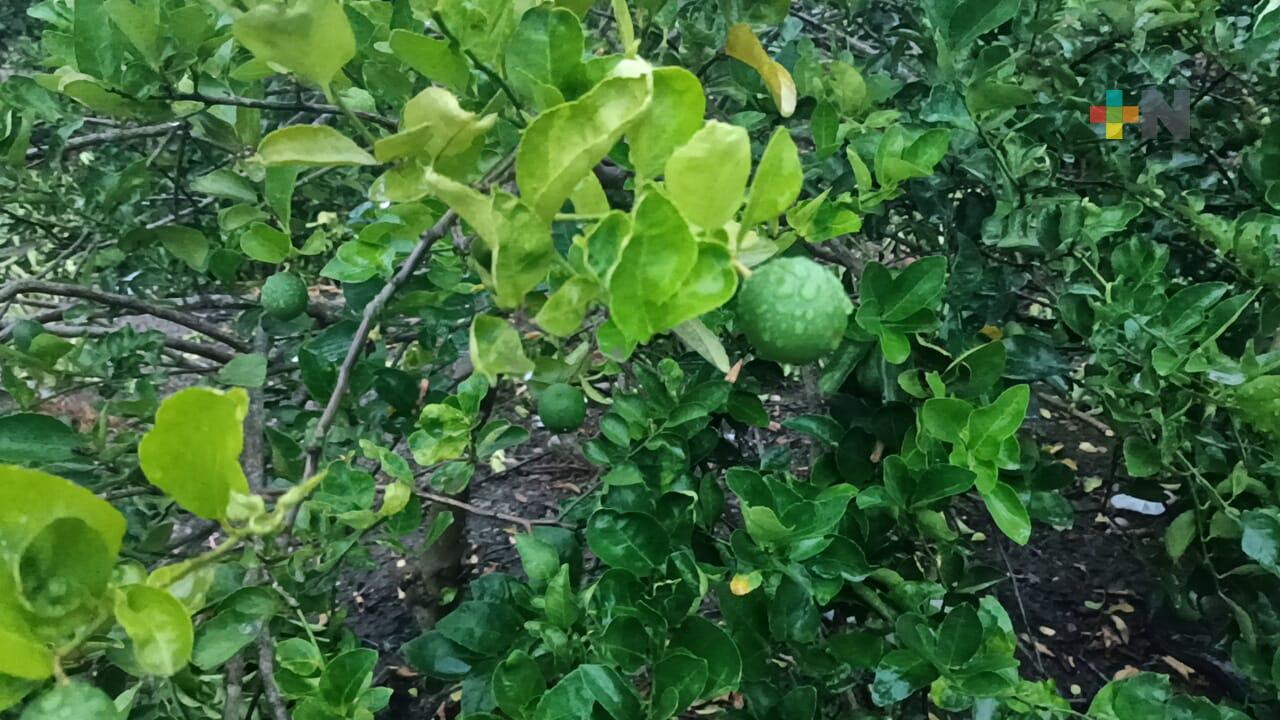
284,296
793,311
24,331
562,408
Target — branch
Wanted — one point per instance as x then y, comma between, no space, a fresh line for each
526,523
138,305
112,136
267,673
285,105
1077,413
235,687
192,348
315,443
367,319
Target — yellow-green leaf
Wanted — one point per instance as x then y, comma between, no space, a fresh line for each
707,176
674,115
30,500
434,126
311,145
193,452
564,143
518,242
777,183
159,627
434,58
745,46
496,349
310,38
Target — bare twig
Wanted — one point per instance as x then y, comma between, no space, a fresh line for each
138,305
367,320
1077,413
526,523
267,674
111,136
252,457
285,105
208,352
1017,595
235,687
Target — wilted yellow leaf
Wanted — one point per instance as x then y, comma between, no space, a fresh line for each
745,46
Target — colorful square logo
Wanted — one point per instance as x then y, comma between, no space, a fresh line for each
1114,115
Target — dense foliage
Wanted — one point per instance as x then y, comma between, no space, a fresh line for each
363,225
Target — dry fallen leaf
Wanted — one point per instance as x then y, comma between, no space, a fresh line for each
1043,649
1126,672
1122,627
1121,606
732,376
1178,666
1109,638
1089,447
1047,631
1071,463
1076,689
1044,413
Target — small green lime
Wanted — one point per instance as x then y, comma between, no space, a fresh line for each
284,296
24,331
793,311
562,408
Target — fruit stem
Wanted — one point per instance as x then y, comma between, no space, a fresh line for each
743,270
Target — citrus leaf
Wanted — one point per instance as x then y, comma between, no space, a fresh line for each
707,176
495,349
310,38
564,143
159,627
742,44
193,452
311,145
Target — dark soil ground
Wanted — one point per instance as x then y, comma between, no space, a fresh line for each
1083,601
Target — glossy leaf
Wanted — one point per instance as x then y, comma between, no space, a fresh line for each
707,176
311,38
743,45
1009,513
496,350
673,116
159,627
318,145
779,178
193,452
564,143
631,541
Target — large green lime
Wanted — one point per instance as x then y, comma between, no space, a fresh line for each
562,408
793,311
284,296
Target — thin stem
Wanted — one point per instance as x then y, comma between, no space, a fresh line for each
355,120
626,30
